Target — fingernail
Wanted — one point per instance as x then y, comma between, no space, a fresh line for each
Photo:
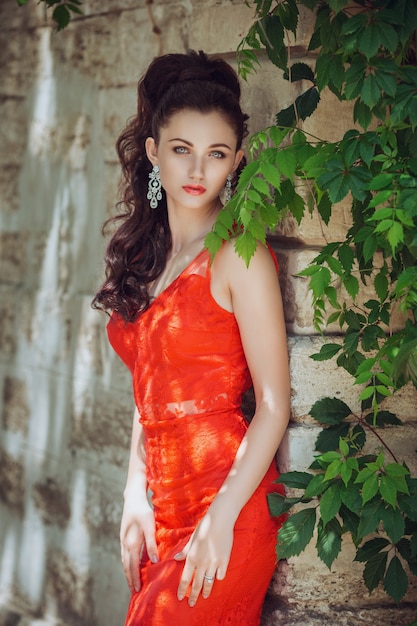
137,589
154,558
177,556
180,597
191,603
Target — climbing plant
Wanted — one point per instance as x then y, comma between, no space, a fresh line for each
366,54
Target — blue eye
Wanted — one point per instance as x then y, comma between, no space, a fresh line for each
180,150
217,154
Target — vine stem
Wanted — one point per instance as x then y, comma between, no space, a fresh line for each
364,423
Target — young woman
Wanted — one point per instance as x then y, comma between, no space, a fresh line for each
197,538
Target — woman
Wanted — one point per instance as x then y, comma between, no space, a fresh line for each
195,336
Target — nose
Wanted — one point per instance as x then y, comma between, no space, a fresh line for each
196,168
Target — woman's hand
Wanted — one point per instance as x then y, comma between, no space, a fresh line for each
137,531
207,556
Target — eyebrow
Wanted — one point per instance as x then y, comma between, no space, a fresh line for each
213,145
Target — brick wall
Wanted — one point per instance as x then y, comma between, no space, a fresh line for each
65,401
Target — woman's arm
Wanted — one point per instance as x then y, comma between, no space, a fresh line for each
257,305
254,296
137,527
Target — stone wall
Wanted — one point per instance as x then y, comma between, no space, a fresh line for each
65,401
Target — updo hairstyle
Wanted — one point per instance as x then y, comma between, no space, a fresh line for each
137,251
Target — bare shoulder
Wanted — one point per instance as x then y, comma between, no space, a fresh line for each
234,268
233,279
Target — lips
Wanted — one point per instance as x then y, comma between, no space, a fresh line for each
194,190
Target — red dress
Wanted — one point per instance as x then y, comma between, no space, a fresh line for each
189,373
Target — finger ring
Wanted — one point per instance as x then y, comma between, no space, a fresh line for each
209,579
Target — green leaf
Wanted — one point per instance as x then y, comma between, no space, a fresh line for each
375,35
300,71
371,548
396,581
351,284
330,411
324,208
295,480
296,533
374,570
362,114
351,498
346,257
329,457
329,541
257,230
271,33
269,215
307,103
329,437
381,286
253,196
286,162
404,549
315,487
296,206
395,470
226,218
330,503
249,171
370,517
337,5
369,248
286,117
261,186
320,281
394,524
408,504
369,488
333,469
213,243
278,504
335,266
288,14
350,521
270,173
327,351
245,246
351,341
383,418
344,447
61,16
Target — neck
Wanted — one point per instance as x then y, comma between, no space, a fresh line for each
187,229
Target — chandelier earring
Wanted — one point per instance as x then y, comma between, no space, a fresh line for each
228,189
154,187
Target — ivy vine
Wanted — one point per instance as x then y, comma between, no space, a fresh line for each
365,53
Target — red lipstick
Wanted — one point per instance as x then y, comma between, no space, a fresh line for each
194,190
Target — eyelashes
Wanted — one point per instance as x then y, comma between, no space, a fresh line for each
180,150
217,154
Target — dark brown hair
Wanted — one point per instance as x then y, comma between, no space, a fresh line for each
137,251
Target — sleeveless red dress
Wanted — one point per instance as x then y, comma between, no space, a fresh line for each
189,373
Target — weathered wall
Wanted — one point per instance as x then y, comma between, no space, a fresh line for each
65,402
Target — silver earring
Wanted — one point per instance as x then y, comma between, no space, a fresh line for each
228,188
154,187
